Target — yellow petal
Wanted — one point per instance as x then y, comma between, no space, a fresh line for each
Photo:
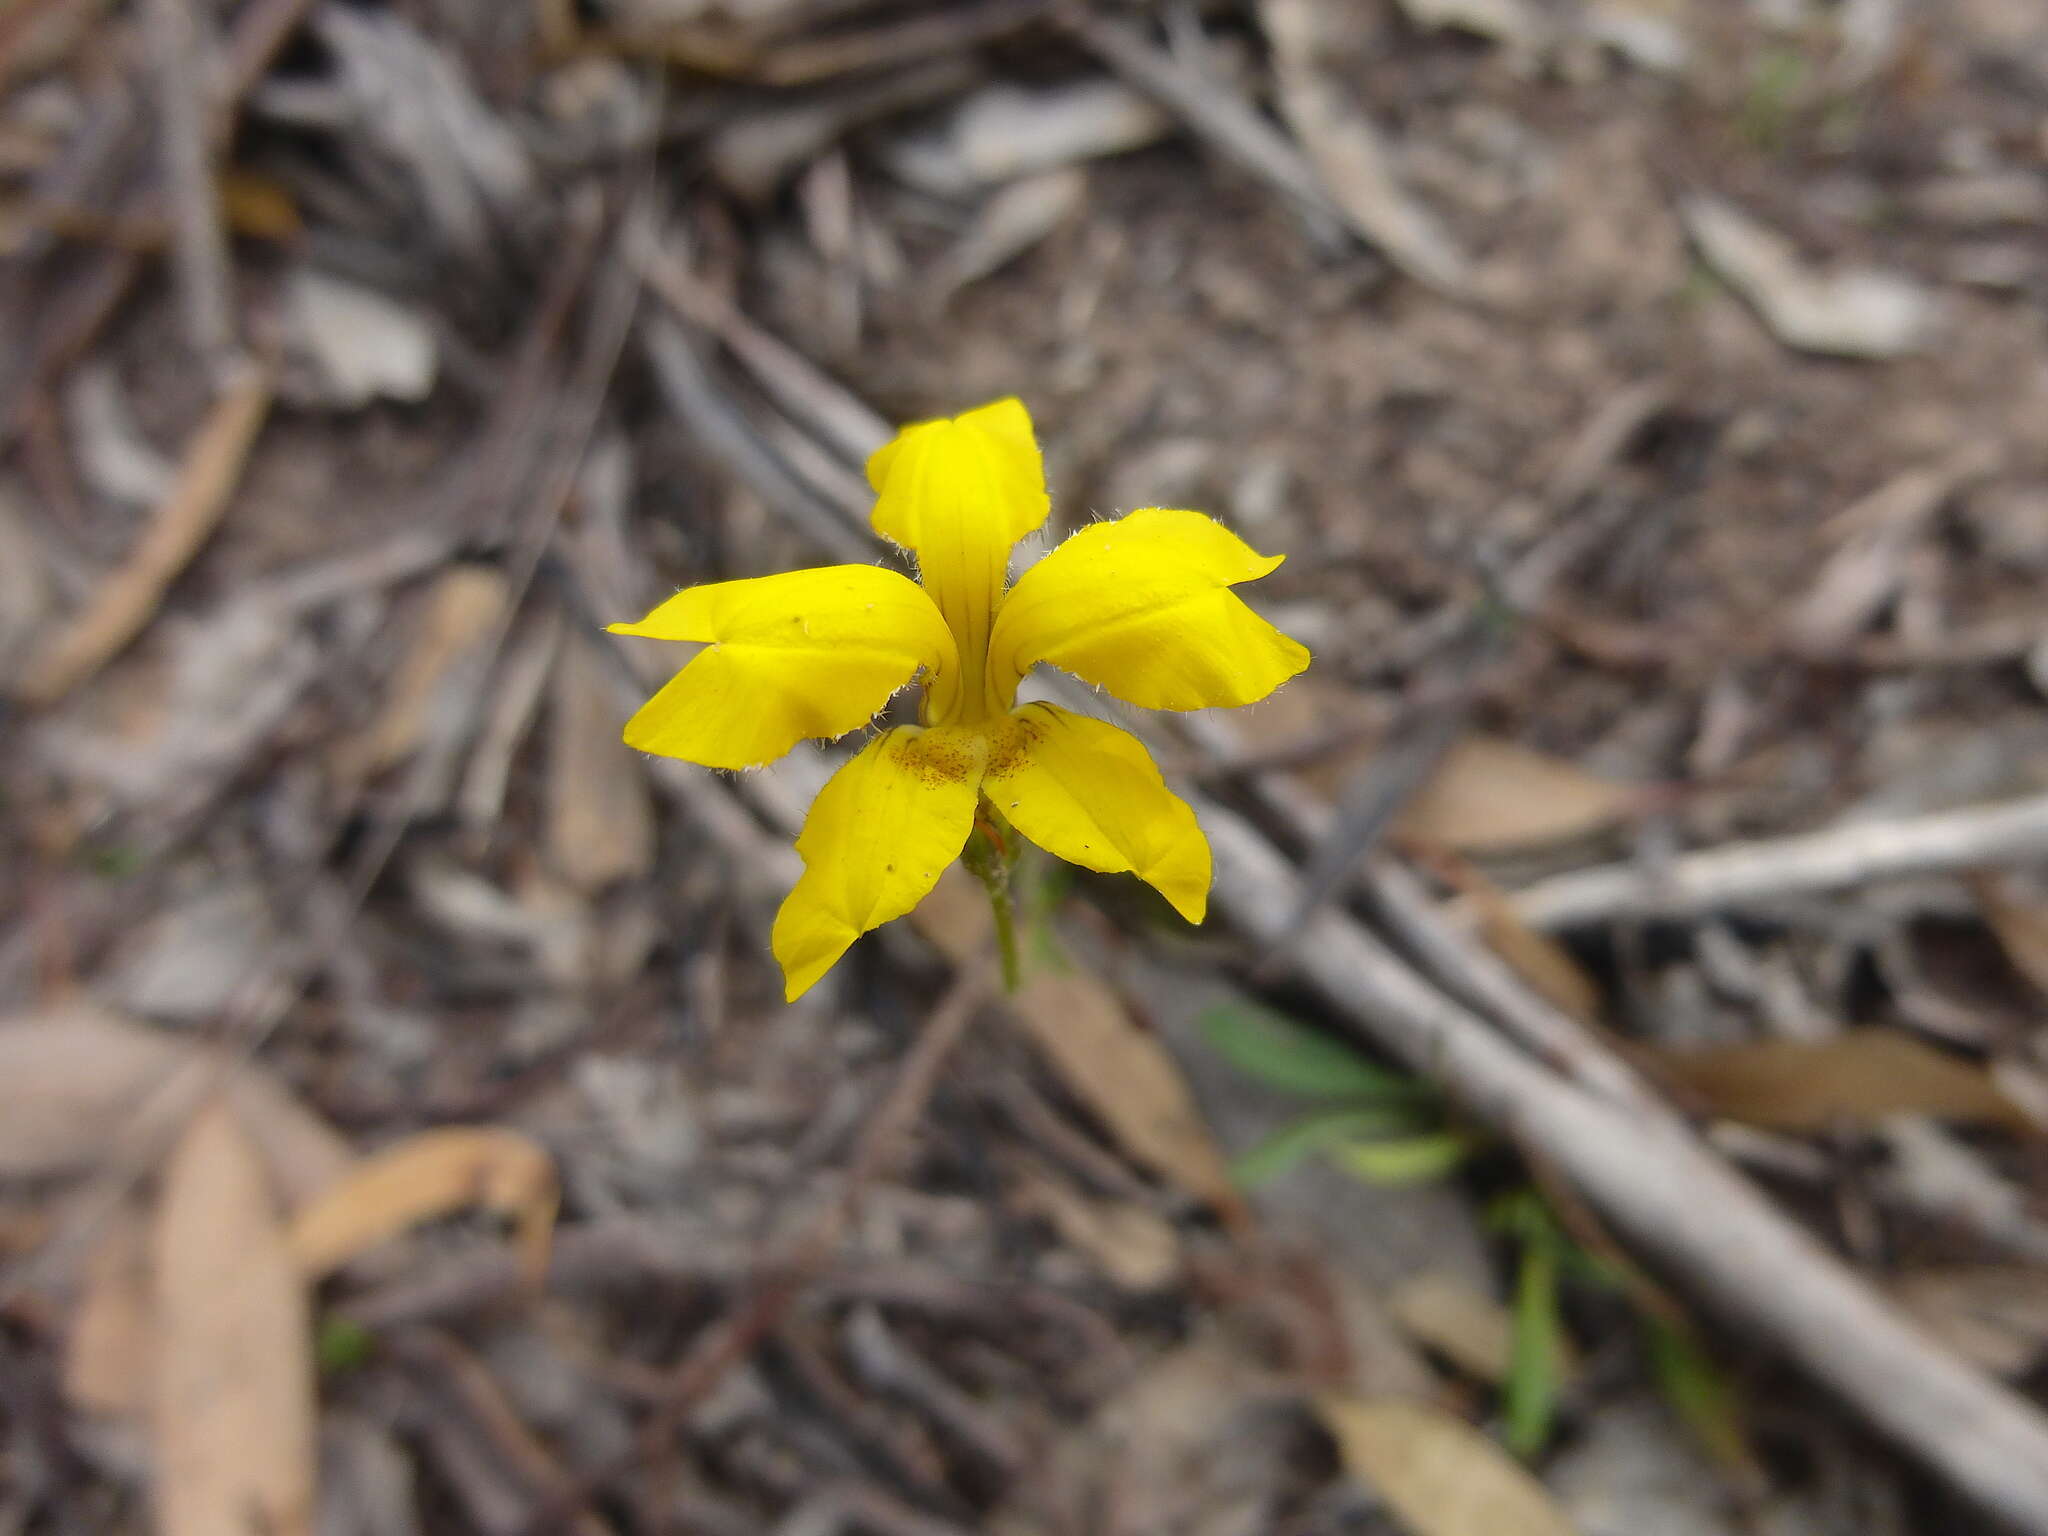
1090,794
959,493
806,653
1142,607
879,834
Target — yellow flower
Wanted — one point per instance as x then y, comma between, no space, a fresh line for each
1141,607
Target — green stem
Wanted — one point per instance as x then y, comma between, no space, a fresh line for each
986,863
1005,908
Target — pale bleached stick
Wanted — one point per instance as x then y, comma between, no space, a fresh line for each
1753,873
1649,1175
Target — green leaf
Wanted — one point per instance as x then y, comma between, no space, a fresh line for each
1535,1368
1296,1059
1704,1399
341,1345
1311,1133
1408,1160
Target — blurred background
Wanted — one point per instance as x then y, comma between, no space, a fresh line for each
401,1129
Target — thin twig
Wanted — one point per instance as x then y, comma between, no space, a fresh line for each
778,1283
1764,872
199,246
177,529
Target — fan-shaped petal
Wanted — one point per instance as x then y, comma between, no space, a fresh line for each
880,833
806,653
1089,793
1142,606
959,493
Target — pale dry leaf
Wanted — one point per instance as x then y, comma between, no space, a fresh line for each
107,1352
1467,1327
423,1178
231,1387
1648,33
1011,222
1856,1078
1350,157
1135,1247
1128,1079
1882,532
1004,131
1493,796
361,344
414,101
179,525
114,458
461,611
1993,1315
2020,925
1179,1439
753,153
77,1082
1853,312
1439,1475
1514,22
599,810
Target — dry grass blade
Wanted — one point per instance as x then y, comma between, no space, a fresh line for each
232,1415
460,618
1129,1079
1493,796
177,529
1440,1476
1854,1079
433,1174
1347,150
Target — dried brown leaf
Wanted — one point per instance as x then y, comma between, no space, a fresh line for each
1493,796
1466,1326
1122,1072
177,528
1545,964
1850,312
460,612
1135,1247
1853,1079
107,1354
1994,1315
2021,926
434,1174
600,814
1439,1475
232,1405
75,1080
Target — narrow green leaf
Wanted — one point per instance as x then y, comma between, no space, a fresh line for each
1296,1059
1408,1160
1535,1368
1311,1133
1704,1399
